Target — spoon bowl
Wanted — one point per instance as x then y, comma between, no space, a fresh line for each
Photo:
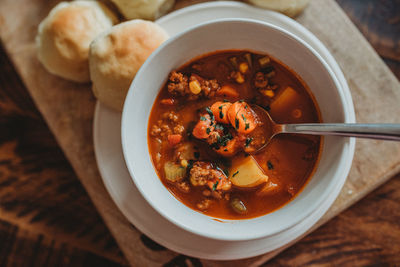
381,131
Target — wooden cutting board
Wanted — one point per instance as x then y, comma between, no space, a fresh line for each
68,109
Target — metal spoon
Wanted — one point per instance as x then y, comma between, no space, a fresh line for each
382,131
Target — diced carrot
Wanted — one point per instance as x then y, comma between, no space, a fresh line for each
242,117
230,149
227,91
220,111
174,139
211,184
168,101
204,127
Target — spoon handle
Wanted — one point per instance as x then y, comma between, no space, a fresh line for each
384,131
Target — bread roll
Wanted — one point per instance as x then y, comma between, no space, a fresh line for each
289,7
143,9
116,55
64,37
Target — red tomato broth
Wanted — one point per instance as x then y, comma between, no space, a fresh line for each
288,160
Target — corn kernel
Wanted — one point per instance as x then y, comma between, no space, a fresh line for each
264,61
184,163
195,87
243,67
268,93
239,78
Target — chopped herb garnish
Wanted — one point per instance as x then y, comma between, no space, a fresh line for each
210,113
225,150
233,175
215,145
208,130
248,141
247,126
215,186
222,141
245,107
225,100
244,118
270,166
221,115
202,118
220,107
196,154
241,100
190,165
236,123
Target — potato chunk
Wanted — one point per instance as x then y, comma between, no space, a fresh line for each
245,172
287,98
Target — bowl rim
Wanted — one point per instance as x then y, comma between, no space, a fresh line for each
346,156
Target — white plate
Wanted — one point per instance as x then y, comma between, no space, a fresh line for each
108,150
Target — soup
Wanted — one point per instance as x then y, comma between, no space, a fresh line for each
206,134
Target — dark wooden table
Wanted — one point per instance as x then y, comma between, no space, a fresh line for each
47,219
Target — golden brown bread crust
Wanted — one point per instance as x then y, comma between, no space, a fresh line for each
116,55
143,9
288,7
64,37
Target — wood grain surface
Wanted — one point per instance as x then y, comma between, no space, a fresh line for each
45,213
47,218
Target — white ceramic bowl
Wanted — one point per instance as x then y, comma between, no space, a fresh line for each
337,153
